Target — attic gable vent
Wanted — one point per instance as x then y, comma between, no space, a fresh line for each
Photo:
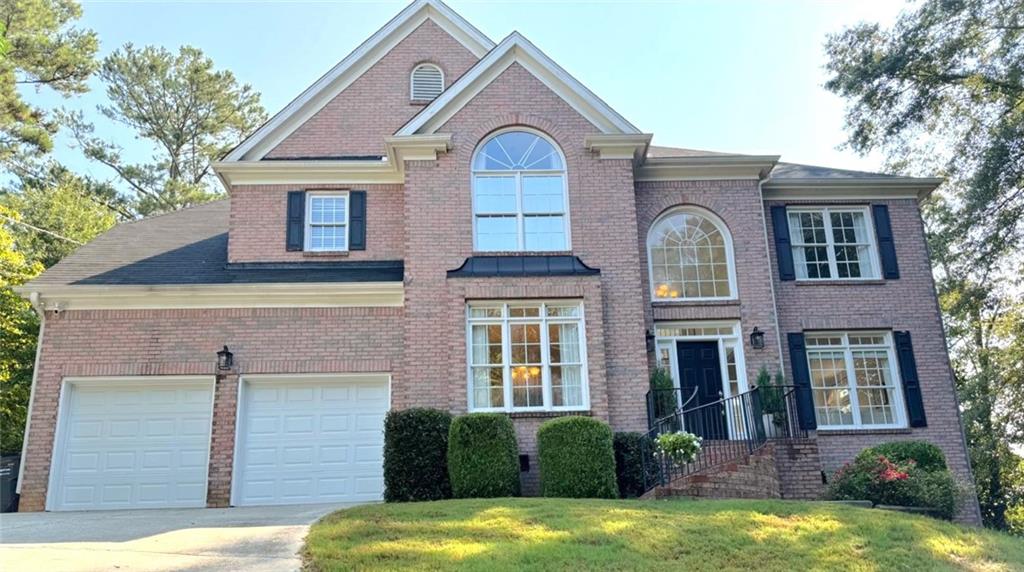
427,82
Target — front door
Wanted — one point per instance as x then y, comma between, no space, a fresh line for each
700,371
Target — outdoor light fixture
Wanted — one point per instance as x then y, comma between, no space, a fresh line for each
225,359
757,339
650,341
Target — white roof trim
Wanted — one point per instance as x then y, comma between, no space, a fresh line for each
517,49
278,295
316,96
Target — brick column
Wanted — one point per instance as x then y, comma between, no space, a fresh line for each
222,440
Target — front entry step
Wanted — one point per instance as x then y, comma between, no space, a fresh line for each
752,477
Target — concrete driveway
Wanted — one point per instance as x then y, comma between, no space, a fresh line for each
256,539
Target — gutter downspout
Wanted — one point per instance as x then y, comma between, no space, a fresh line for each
771,275
41,311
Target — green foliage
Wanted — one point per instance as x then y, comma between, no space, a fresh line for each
679,447
883,481
41,47
577,458
663,390
19,327
416,455
188,111
925,455
483,456
630,449
773,396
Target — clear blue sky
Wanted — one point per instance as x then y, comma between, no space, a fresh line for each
740,76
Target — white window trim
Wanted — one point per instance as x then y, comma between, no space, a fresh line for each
898,406
412,79
506,348
830,244
308,222
733,340
519,214
730,258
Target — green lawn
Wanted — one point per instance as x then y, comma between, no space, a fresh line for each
557,534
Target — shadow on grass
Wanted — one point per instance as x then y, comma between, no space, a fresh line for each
556,534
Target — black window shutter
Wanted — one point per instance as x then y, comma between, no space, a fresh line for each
296,220
802,382
886,245
783,248
911,383
357,220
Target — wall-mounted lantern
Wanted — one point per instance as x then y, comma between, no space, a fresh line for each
650,341
757,339
225,359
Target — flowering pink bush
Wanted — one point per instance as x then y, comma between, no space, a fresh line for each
881,480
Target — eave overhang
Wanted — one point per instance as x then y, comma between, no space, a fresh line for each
754,167
861,188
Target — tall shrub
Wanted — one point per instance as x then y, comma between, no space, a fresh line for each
926,456
662,391
483,456
577,459
630,450
416,455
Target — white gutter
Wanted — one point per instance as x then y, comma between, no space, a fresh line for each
37,306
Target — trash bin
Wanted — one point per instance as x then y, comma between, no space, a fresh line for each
9,483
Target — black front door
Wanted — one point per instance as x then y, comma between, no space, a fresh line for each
701,371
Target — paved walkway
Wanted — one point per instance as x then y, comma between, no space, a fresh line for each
256,539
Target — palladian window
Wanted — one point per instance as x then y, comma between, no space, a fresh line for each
519,194
690,257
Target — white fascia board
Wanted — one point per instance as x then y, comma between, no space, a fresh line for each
865,188
277,295
615,146
316,96
753,167
307,172
517,49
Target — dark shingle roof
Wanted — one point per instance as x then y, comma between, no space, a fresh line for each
798,171
190,247
533,265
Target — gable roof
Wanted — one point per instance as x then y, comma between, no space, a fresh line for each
316,96
517,49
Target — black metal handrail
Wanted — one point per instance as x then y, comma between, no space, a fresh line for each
666,402
731,428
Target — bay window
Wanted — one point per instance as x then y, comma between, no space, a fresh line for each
526,356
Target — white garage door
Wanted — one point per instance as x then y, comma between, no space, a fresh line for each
133,444
310,440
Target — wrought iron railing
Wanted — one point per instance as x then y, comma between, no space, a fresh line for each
663,403
731,429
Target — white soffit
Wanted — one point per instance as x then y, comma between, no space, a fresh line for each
316,96
517,49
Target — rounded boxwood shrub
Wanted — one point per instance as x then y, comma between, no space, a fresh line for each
926,456
577,458
416,455
483,457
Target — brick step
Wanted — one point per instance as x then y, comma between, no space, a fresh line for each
749,477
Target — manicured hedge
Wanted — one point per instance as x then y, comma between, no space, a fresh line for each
630,449
416,455
926,456
577,459
483,456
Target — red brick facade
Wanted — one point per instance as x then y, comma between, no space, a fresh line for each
427,223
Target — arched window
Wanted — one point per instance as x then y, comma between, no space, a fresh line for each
519,194
690,256
426,82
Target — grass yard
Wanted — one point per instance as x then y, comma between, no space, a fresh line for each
558,534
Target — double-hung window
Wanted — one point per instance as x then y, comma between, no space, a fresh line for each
526,356
854,381
326,221
833,243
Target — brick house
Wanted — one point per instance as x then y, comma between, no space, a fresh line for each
447,222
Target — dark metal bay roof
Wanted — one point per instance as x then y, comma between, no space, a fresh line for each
504,266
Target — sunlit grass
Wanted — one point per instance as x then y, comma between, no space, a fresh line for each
555,534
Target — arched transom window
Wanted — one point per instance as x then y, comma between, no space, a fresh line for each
690,256
519,194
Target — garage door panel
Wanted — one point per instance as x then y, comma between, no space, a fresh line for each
311,441
153,453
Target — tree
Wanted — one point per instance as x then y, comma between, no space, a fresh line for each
40,47
943,91
19,327
190,112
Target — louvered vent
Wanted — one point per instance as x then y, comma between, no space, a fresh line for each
427,82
